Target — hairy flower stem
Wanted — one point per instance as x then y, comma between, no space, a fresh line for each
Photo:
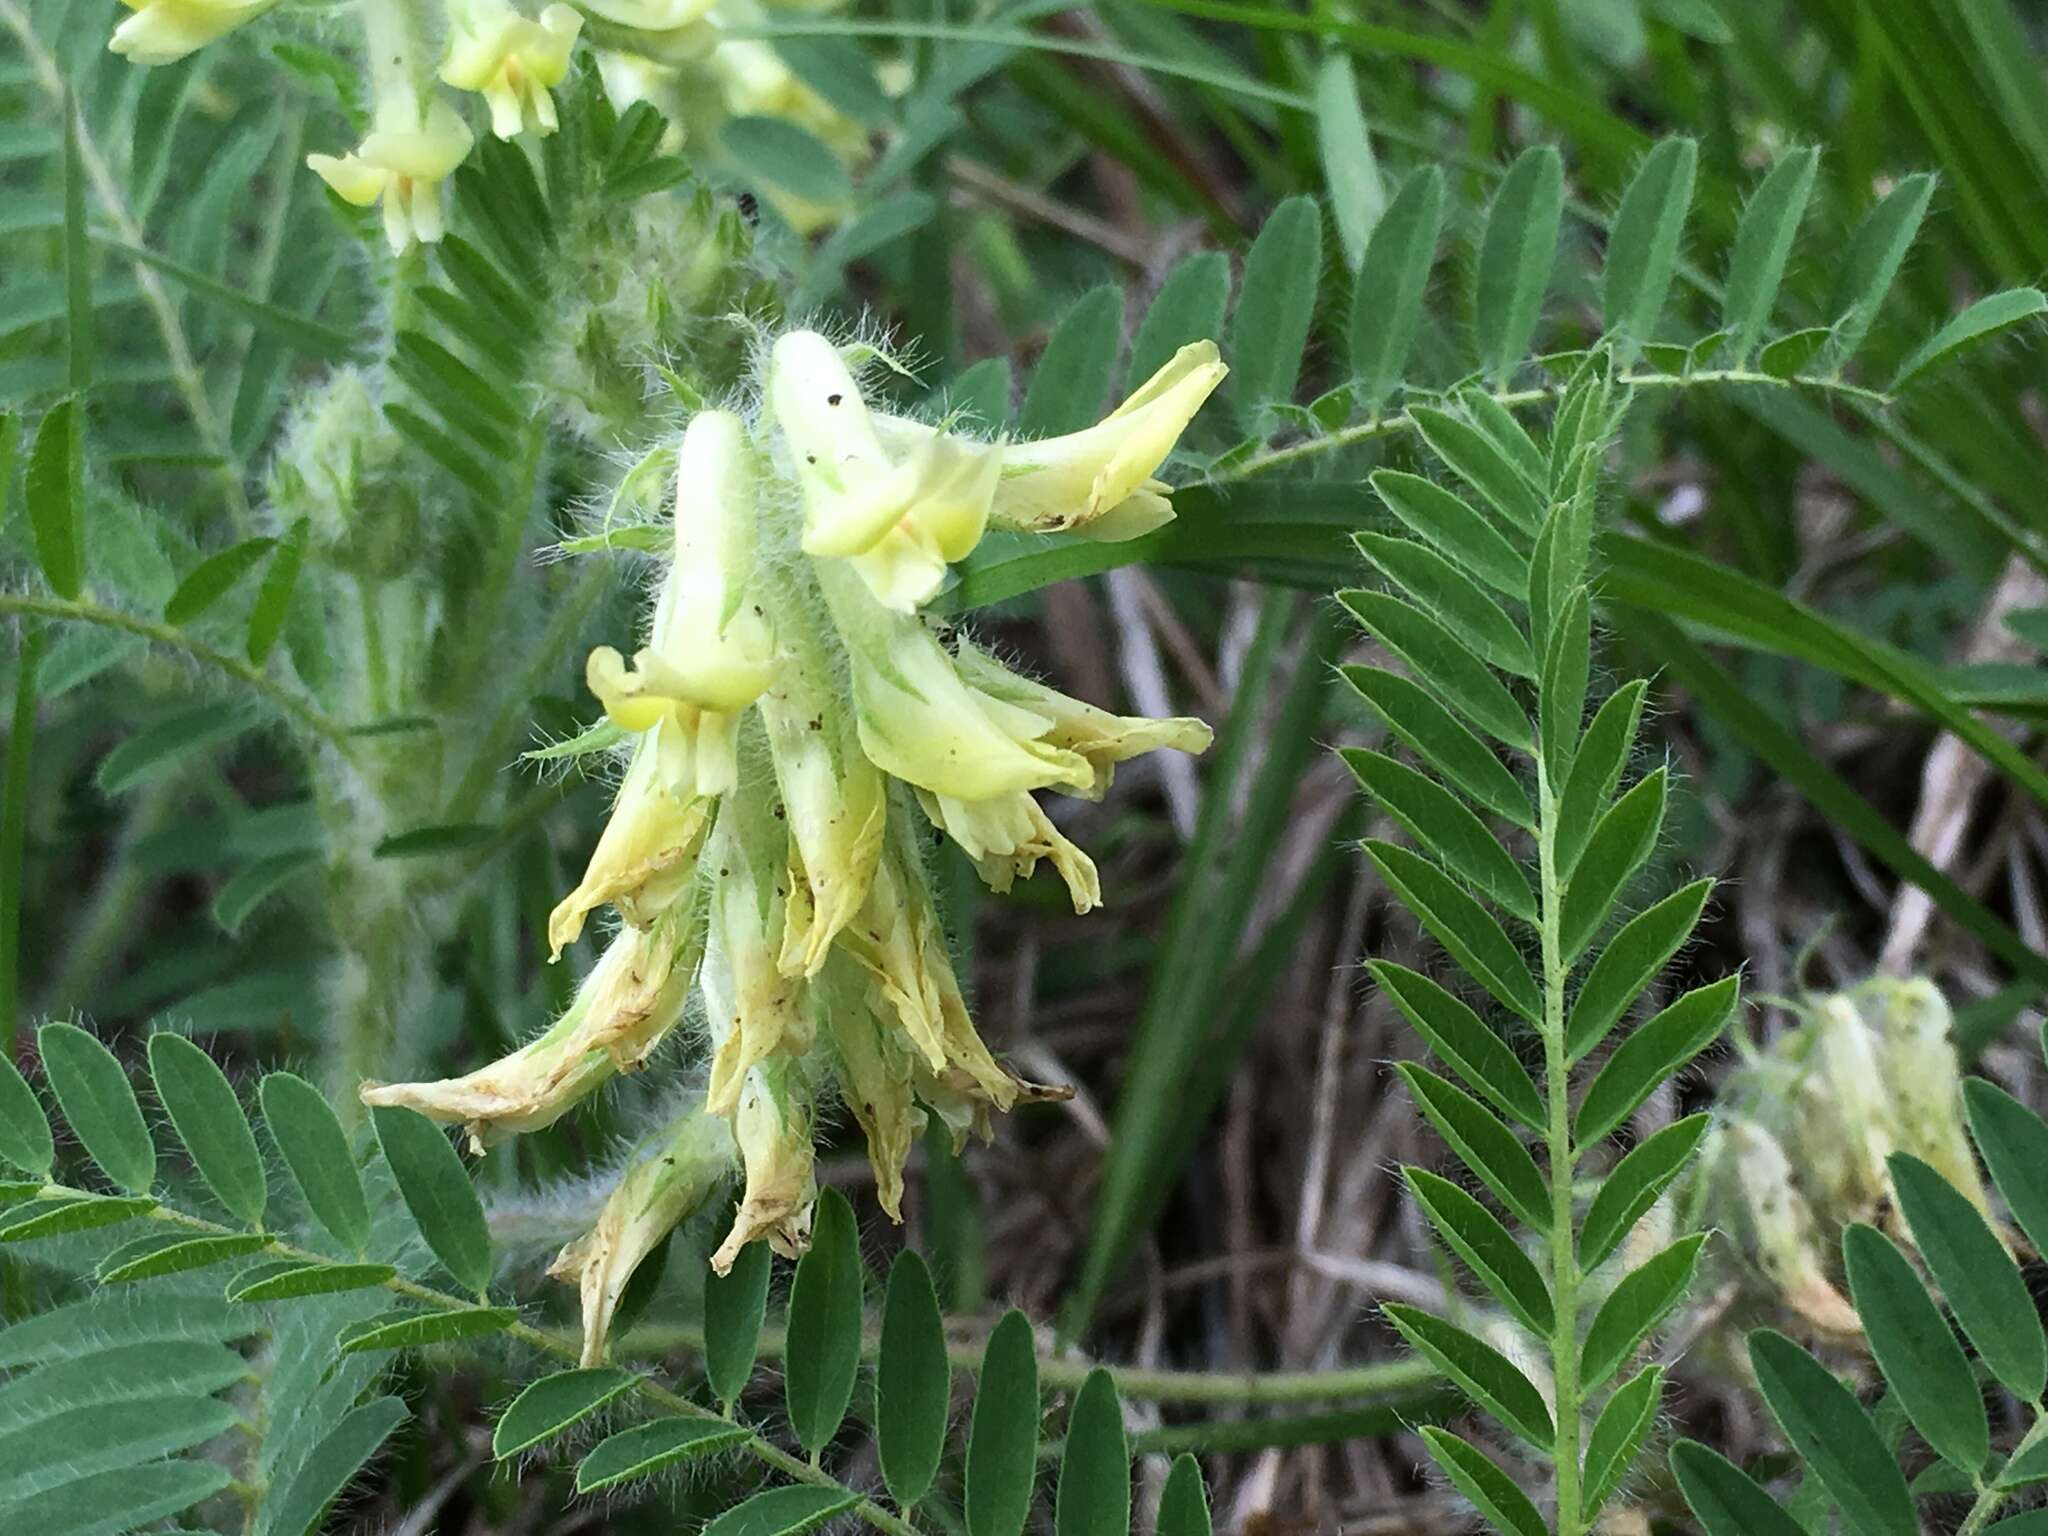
1564,1260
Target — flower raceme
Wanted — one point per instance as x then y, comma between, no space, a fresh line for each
794,726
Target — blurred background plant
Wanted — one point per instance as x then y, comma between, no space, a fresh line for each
275,673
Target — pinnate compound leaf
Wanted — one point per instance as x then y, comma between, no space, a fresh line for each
92,1090
1440,822
1002,1440
648,1448
1642,250
1184,1504
316,1152
1635,1307
1633,1185
913,1381
25,1140
1983,320
552,1404
1978,1277
1763,243
1492,1492
1652,1055
1916,1349
1428,730
1461,1040
1596,768
1269,332
1630,962
208,1118
1516,254
1833,1436
1619,1432
1726,1499
734,1306
1094,1495
1489,1250
1467,931
436,1189
1386,304
1482,1372
1483,1144
824,1325
786,1511
2014,1141
1430,512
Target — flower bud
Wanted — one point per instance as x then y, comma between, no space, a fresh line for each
772,1125
1779,1225
164,31
753,1009
899,520
512,62
1923,1077
632,998
834,799
667,1177
1842,1127
409,152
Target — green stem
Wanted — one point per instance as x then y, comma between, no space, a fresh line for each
1564,1259
1991,1499
287,702
546,1343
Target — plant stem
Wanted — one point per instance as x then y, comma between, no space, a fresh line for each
1991,1499
546,1343
1564,1260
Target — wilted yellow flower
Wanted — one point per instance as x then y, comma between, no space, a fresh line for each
753,1009
647,854
164,31
407,155
1006,837
513,62
877,1077
1779,1224
900,521
632,998
773,1128
709,654
1098,483
833,797
666,1178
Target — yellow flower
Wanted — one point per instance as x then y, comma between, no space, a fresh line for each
1102,738
877,1079
833,797
773,1128
403,161
632,998
1007,836
710,652
647,854
900,520
1779,1225
1098,483
923,723
752,1008
164,31
512,61
667,1177
663,31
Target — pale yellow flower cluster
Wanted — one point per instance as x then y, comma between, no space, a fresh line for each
798,727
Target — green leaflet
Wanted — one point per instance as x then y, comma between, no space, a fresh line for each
1188,308
1596,768
546,1407
1002,1440
298,1506
1072,378
1466,930
1635,1307
1726,1499
1619,1432
1184,1503
171,1253
402,1329
1642,248
1428,730
913,1381
1516,254
1440,822
1489,1250
2014,1141
1431,512
1916,1349
25,1139
1453,598
1567,664
1270,329
1094,1493
645,1450
1486,1375
1474,457
1652,1054
316,1152
1631,960
1622,840
734,1306
1350,170
209,1120
1492,1492
1872,262
1833,1435
1485,1146
92,1089
437,1190
786,1511
285,1279
1386,304
824,1325
1462,1041
54,498
1763,242
1634,1184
